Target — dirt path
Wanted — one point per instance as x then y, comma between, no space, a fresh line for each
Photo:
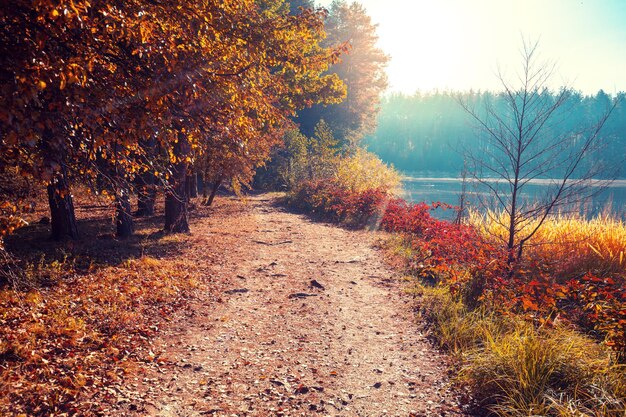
266,341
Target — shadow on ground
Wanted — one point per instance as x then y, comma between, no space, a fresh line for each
31,246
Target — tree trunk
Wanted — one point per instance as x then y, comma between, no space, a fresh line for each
146,194
146,182
176,199
205,189
125,226
201,185
192,185
216,186
62,216
101,167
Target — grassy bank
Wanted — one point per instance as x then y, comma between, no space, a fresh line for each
547,341
515,368
544,338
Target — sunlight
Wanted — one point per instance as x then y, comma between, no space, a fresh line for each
224,208
430,62
430,43
458,45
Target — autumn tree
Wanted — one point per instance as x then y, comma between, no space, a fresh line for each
86,84
264,66
322,153
520,144
72,86
35,131
147,179
362,68
289,163
300,159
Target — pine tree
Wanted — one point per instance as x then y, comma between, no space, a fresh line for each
362,70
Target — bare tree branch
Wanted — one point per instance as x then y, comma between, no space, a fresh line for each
520,148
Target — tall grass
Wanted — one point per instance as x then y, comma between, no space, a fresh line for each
515,369
568,245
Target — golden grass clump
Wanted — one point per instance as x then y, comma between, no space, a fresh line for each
555,372
455,327
567,244
515,369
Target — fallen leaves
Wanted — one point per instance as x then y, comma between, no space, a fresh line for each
259,352
62,344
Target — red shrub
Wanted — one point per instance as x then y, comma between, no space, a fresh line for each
459,256
332,202
442,250
600,304
403,217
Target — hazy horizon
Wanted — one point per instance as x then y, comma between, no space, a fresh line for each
454,45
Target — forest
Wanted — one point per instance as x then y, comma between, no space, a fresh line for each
200,214
430,132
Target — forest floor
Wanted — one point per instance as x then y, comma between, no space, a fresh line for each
297,318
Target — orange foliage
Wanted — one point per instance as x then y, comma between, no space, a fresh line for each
61,345
460,257
85,83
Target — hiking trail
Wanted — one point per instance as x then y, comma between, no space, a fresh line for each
298,318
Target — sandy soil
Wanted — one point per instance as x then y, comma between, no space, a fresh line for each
298,318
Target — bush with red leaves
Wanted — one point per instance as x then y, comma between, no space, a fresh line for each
459,256
330,201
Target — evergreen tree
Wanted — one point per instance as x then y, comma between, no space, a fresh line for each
362,70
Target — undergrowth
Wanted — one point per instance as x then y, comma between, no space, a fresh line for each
543,337
63,343
515,368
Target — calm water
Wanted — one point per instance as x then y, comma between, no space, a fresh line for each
611,199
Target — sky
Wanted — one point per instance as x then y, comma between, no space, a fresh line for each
462,44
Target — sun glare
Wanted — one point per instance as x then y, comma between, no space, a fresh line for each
459,45
428,56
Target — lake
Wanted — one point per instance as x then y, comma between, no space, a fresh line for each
417,188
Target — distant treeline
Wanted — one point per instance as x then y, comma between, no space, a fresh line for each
428,132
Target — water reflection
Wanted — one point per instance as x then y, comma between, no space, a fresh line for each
610,198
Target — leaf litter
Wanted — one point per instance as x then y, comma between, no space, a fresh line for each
277,350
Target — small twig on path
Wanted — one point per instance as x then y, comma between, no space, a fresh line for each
273,243
351,261
237,291
301,295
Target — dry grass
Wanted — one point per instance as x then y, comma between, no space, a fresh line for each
515,369
547,372
512,367
568,244
455,328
